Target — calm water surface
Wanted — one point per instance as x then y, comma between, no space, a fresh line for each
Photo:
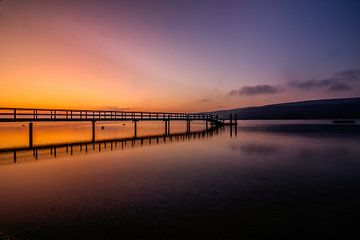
290,181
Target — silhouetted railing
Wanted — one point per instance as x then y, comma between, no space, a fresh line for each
33,115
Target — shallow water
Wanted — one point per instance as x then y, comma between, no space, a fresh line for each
257,181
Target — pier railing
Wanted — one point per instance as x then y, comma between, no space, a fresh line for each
38,114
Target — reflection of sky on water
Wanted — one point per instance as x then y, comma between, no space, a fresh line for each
16,134
299,178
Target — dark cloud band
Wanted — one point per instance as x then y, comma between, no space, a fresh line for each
255,90
340,81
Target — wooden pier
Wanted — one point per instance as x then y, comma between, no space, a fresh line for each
32,115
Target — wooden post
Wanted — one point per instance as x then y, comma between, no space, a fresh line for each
135,128
166,127
14,156
168,131
93,130
30,134
230,119
235,120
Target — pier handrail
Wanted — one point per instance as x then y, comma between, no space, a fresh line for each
44,114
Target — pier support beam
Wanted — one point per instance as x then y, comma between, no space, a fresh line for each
93,131
30,134
235,119
188,126
166,127
230,119
135,128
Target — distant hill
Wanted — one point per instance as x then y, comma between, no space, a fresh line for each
344,108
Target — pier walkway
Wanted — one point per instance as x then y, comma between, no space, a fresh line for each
31,115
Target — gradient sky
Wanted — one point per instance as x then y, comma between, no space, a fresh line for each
177,55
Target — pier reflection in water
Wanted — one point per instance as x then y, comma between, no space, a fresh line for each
284,181
45,151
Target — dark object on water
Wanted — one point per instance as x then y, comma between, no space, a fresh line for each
123,124
345,121
102,127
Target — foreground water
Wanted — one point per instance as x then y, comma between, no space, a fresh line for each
258,181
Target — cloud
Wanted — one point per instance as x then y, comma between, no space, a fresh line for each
348,75
339,81
339,87
204,100
255,90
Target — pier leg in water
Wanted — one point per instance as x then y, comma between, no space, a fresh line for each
166,127
235,120
230,119
135,128
207,124
31,134
93,131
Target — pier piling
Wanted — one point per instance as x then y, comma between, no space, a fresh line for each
93,130
31,134
135,128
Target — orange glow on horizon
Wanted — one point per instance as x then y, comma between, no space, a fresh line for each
91,56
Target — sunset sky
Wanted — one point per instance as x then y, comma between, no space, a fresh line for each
177,55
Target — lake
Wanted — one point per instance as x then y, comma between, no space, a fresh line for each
287,180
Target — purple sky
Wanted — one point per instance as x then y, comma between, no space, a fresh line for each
178,55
